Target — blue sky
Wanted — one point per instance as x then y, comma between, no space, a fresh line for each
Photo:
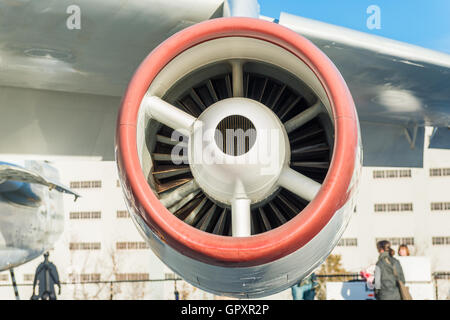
419,22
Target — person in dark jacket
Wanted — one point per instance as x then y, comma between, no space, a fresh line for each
386,287
46,278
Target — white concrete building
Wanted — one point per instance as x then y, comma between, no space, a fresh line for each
405,206
100,242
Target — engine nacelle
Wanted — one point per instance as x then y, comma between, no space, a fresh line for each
227,217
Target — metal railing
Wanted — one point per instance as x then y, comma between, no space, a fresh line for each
341,277
441,281
111,284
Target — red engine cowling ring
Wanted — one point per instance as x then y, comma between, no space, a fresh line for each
276,243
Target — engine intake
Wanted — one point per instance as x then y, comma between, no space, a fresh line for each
203,195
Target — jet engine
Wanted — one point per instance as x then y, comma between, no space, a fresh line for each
238,149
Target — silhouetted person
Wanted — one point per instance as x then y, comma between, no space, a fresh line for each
46,277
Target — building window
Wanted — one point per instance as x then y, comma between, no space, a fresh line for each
137,245
391,174
122,214
28,277
435,172
85,215
406,173
84,246
439,241
132,276
440,206
409,241
393,207
348,242
442,275
84,277
170,276
378,174
439,172
406,207
401,173
4,277
85,184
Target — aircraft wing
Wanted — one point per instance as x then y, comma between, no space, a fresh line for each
81,75
398,88
39,51
60,88
14,173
